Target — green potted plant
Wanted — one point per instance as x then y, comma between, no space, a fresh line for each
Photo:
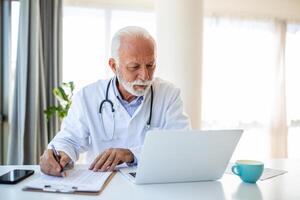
64,95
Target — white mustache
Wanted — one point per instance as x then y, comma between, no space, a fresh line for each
140,82
129,86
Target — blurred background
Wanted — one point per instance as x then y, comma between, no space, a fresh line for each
236,61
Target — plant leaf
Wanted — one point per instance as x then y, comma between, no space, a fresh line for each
63,94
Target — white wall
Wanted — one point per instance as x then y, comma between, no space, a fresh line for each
179,50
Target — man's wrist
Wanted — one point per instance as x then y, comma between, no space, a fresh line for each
133,160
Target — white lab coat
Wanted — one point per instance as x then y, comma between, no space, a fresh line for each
82,129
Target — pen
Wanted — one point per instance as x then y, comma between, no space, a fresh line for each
57,158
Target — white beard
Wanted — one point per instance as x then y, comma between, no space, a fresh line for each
129,86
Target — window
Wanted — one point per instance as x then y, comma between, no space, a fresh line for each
121,18
237,60
86,40
83,45
237,86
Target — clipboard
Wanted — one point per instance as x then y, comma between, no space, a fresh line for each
70,189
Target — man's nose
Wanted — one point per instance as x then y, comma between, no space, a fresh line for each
144,73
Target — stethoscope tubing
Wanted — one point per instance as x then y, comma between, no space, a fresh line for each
107,100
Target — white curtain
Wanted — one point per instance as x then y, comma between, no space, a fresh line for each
244,83
278,117
292,62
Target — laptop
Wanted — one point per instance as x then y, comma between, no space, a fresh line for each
183,156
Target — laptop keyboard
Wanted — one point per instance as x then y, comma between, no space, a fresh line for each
133,174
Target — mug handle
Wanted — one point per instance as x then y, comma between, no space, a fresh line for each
235,170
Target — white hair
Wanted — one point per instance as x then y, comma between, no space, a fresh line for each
129,31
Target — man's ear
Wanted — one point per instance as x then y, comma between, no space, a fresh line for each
113,65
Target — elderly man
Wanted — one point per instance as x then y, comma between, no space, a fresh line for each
109,118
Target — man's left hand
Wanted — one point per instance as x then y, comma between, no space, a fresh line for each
110,158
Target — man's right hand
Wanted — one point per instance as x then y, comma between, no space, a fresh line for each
50,166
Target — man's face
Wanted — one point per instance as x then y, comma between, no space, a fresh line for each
136,65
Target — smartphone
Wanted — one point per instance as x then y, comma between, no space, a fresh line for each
15,176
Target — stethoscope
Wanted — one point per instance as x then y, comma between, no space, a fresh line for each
106,100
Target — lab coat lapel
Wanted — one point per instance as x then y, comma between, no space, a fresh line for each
144,106
120,110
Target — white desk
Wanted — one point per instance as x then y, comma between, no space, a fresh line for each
229,187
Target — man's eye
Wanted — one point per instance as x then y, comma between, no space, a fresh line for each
149,66
134,67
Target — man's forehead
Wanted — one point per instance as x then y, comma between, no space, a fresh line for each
136,44
139,60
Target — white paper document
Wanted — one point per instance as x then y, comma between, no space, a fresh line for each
77,180
267,173
270,173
